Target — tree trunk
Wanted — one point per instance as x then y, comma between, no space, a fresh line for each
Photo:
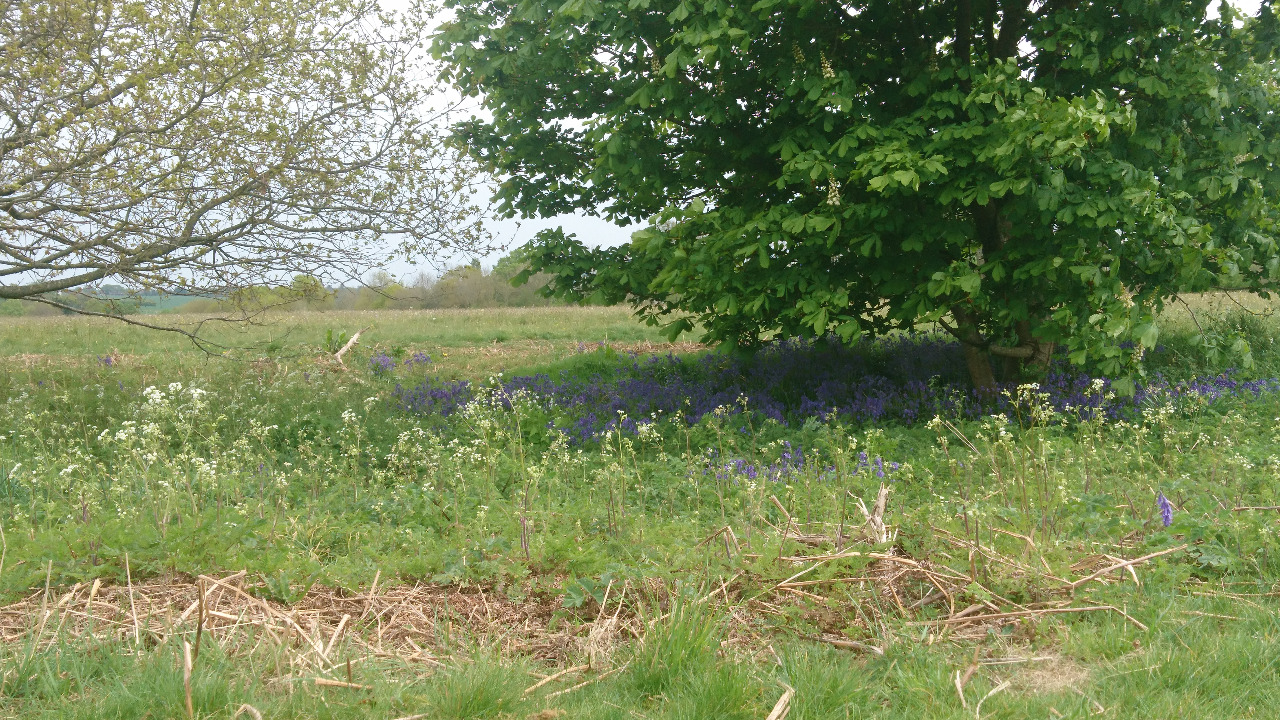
1030,356
980,373
976,357
1041,352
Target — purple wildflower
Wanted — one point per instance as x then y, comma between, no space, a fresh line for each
381,363
904,379
1166,509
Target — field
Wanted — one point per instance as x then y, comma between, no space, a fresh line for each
553,513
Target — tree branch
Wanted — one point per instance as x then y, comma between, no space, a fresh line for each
964,31
1021,352
201,343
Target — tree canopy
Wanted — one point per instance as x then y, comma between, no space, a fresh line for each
1025,174
207,147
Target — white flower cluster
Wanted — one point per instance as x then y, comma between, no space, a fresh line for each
827,71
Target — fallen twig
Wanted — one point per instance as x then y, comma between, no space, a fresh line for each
875,517
1097,705
783,706
1024,538
336,632
712,536
807,583
93,592
186,678
350,344
200,600
133,609
850,645
556,676
1197,613
1026,613
782,509
1015,660
369,596
1126,563
977,712
585,683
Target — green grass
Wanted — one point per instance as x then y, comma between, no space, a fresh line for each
282,334
301,474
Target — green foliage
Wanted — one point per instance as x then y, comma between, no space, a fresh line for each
830,689
1026,174
305,477
333,342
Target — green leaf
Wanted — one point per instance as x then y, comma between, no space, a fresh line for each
1124,386
907,178
1147,334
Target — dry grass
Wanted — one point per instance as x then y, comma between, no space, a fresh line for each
1050,676
1222,302
427,622
405,621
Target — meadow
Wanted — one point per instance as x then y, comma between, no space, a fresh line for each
552,512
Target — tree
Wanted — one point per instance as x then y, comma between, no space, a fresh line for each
209,147
1026,174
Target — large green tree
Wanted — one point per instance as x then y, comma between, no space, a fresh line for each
1026,174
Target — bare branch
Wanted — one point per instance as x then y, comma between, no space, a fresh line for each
204,344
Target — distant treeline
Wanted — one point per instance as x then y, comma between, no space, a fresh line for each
466,286
110,299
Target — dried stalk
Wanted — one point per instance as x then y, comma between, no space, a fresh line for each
556,676
783,706
186,678
1126,563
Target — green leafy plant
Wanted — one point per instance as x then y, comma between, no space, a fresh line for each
333,342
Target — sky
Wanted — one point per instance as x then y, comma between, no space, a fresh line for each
596,231
1248,7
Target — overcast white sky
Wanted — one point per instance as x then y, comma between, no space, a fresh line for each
598,232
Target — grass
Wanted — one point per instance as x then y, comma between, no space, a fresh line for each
544,555
283,334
